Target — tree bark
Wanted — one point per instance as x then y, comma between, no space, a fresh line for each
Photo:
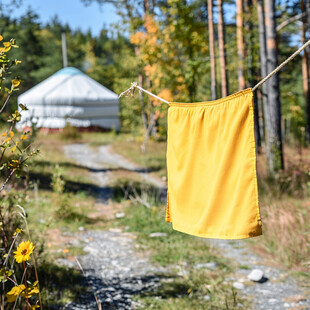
240,45
221,36
142,104
250,41
146,6
212,49
273,122
263,67
305,63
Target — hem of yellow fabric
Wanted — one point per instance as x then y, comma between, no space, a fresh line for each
210,103
256,233
254,163
168,216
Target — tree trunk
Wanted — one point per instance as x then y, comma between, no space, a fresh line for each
212,49
240,45
305,62
146,6
273,122
221,35
250,41
142,104
263,61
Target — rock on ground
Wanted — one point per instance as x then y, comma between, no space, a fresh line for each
274,287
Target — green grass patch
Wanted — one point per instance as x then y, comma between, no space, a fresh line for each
153,159
187,287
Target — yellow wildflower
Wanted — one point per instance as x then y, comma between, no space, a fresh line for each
31,290
23,252
17,231
15,292
22,291
11,135
15,164
23,137
15,83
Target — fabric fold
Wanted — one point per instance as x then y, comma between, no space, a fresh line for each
211,164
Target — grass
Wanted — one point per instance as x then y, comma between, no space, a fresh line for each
286,228
285,210
189,287
51,231
154,158
285,213
284,202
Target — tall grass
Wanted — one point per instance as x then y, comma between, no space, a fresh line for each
285,208
287,231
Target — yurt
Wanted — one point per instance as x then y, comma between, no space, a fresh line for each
70,96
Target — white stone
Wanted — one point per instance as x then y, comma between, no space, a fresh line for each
81,228
210,265
115,230
256,275
206,297
238,285
158,234
120,215
272,300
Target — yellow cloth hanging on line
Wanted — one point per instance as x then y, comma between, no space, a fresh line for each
211,162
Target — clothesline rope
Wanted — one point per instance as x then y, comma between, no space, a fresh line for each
281,65
131,90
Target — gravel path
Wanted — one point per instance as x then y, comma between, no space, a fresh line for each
274,291
115,273
113,270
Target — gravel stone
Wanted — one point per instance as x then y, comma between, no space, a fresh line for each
256,275
158,234
238,285
210,265
120,215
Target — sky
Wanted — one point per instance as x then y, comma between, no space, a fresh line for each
72,12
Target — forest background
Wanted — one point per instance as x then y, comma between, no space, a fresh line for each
165,44
184,51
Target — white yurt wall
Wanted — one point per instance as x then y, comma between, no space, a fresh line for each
71,96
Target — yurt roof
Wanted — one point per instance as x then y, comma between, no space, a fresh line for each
68,86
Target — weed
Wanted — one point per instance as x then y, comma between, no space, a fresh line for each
286,228
70,132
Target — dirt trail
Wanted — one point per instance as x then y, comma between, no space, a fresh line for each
115,272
